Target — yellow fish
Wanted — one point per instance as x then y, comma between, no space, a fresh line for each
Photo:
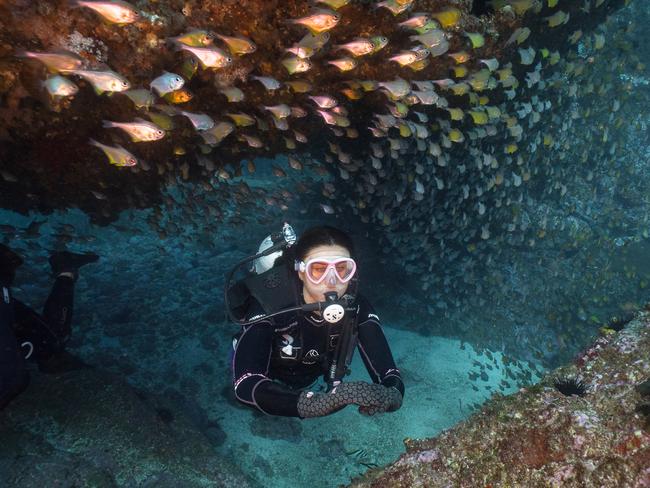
575,37
519,35
161,120
241,119
456,113
404,130
238,45
460,57
295,64
311,43
335,4
493,112
460,89
448,17
368,85
217,133
504,73
117,155
195,38
456,136
351,93
477,39
521,6
179,96
419,65
233,94
460,71
479,118
560,17
299,86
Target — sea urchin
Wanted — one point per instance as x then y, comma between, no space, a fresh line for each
570,386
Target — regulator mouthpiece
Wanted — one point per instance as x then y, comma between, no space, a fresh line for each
333,311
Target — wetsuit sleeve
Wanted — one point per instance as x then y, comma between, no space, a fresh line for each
374,349
251,383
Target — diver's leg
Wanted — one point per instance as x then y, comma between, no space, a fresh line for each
58,307
57,311
13,374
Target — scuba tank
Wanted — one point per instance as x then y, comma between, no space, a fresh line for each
271,281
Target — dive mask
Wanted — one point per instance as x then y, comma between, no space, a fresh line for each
317,269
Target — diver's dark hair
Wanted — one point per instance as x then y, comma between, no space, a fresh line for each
322,235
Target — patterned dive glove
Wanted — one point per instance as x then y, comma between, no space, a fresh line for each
360,393
391,400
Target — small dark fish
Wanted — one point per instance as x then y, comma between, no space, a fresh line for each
363,457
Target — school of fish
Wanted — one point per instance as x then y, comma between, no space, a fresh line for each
455,164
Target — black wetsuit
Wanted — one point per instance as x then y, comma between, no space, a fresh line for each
22,330
295,350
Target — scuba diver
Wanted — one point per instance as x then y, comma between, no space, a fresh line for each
299,326
26,334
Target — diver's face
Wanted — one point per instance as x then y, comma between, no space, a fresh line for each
316,293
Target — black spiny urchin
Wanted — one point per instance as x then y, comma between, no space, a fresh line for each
618,323
570,386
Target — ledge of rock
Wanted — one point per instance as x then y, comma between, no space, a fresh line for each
542,437
88,428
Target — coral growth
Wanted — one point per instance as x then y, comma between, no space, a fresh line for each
540,437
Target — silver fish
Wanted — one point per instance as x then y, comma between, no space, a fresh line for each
115,11
167,82
58,86
140,130
104,81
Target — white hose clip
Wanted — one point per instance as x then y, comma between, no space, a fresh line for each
31,349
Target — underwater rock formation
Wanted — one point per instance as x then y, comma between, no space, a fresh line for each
256,94
88,428
541,437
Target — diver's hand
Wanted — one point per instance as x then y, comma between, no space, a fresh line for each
368,395
312,404
388,399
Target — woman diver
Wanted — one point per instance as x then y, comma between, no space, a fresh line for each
277,357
